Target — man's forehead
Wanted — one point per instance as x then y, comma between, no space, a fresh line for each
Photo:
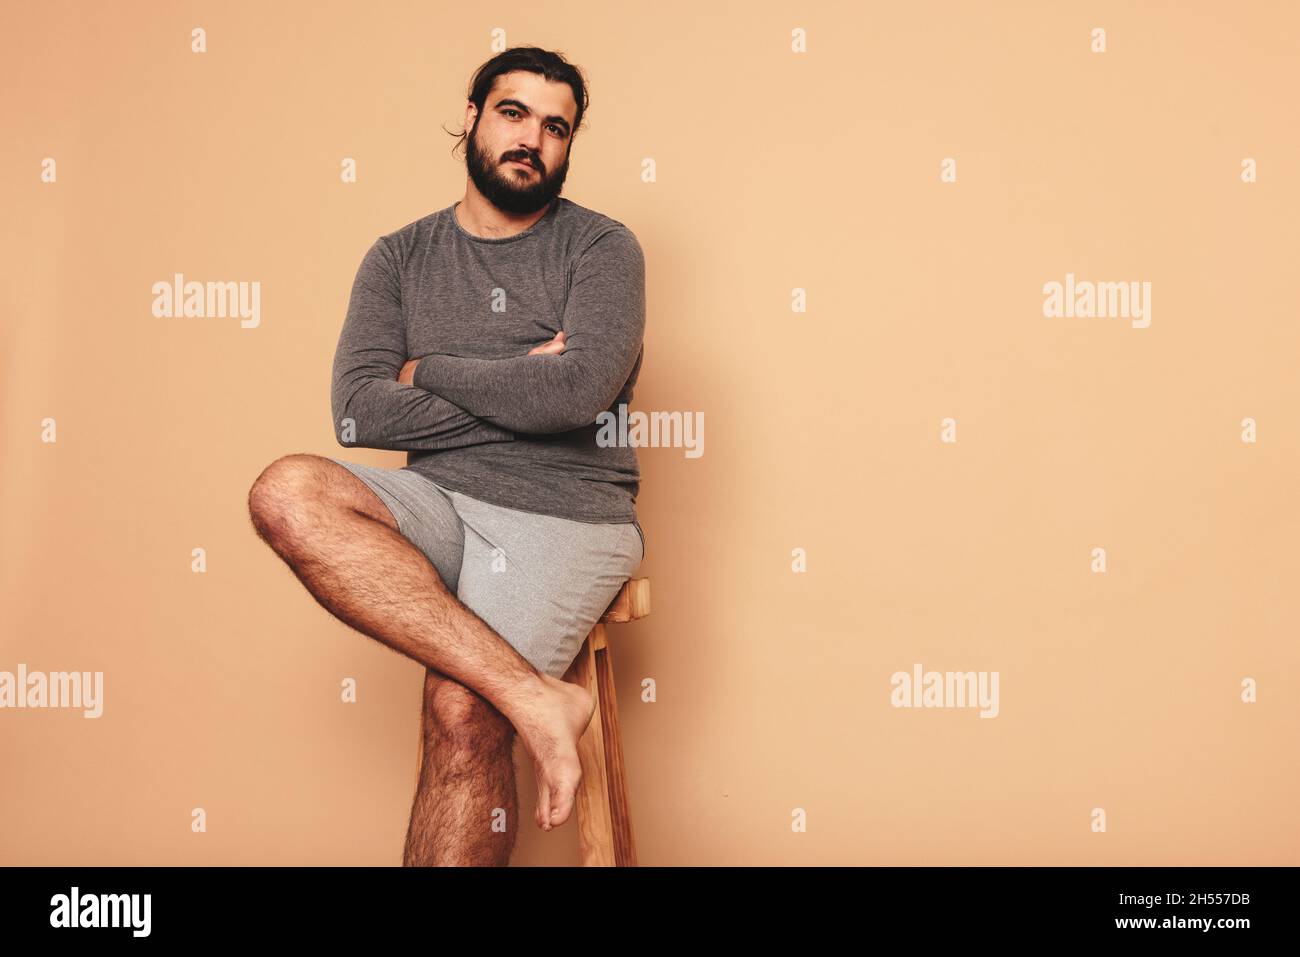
538,93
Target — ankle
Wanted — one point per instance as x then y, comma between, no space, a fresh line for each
524,695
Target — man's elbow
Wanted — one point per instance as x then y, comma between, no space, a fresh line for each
348,432
352,427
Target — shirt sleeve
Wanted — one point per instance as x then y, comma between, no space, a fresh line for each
371,409
604,324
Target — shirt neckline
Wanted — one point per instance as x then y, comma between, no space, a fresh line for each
497,240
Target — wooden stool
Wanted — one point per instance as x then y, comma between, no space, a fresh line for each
604,824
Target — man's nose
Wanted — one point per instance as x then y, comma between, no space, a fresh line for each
530,141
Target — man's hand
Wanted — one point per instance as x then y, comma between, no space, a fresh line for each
407,374
551,348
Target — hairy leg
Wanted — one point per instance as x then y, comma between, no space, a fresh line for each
321,519
466,808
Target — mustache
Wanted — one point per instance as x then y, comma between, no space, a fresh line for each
532,161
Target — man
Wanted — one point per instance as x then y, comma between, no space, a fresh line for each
485,340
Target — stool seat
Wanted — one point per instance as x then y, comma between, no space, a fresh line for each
631,602
604,824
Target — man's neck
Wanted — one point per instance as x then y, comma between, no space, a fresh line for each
478,217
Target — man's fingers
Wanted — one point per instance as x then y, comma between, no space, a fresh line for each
553,348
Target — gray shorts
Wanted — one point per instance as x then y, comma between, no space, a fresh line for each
538,581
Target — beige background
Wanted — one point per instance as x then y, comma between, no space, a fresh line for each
775,170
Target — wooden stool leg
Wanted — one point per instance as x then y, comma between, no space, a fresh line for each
595,830
620,815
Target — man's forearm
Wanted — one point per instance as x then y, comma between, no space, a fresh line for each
531,394
380,414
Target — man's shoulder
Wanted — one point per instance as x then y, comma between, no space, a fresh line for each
595,233
587,225
406,236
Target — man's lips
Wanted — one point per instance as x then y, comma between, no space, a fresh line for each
524,163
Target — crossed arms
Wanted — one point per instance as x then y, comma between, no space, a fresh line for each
457,401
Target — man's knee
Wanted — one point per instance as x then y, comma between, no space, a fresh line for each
292,492
461,718
278,496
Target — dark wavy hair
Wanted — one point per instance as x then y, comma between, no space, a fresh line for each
550,65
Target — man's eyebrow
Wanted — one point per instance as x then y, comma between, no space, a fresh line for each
523,107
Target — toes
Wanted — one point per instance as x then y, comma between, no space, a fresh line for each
562,806
544,806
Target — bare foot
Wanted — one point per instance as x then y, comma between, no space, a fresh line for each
550,726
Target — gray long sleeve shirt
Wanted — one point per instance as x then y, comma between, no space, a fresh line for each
485,418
